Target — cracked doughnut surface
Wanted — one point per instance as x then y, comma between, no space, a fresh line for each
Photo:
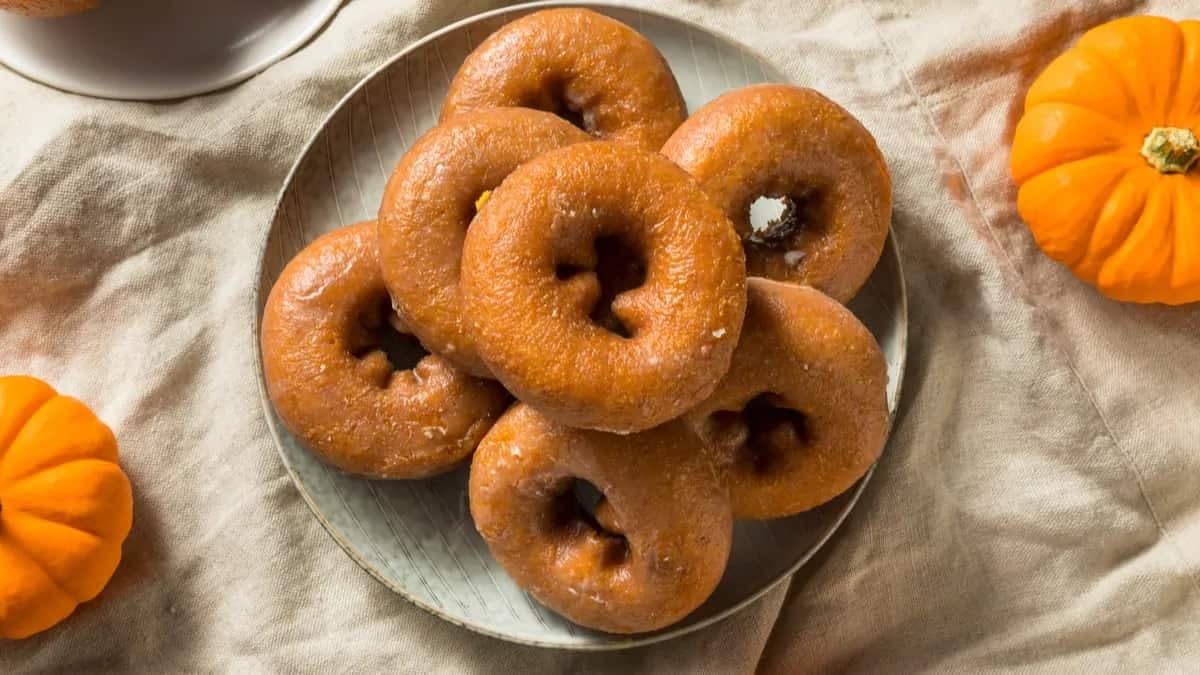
552,247
579,64
802,413
653,549
786,142
431,200
325,348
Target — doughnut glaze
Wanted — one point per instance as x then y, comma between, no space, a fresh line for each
555,244
431,200
782,141
331,380
577,63
802,413
656,545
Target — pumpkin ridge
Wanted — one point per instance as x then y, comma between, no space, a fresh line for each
1151,215
1175,91
1185,104
40,439
21,478
1175,72
20,550
1179,273
42,470
1094,248
1117,156
24,513
101,542
1173,238
28,506
33,516
1112,166
1031,148
44,394
20,620
1139,36
1078,78
1115,75
1105,115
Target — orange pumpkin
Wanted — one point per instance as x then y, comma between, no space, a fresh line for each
65,506
1105,157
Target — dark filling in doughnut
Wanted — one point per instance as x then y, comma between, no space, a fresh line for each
565,271
379,330
762,434
776,220
576,508
571,115
619,268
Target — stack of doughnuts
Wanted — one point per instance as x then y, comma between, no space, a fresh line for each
564,287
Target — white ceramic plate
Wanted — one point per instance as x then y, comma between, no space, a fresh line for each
159,49
417,537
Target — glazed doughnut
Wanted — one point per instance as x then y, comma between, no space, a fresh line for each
803,412
659,540
47,9
579,64
780,141
329,375
430,201
553,246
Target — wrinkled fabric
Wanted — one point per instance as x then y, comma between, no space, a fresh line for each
1037,509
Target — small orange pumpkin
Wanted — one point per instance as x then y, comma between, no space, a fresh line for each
1106,159
65,506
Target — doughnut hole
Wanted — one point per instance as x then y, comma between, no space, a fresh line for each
786,223
600,274
643,554
555,99
760,436
574,116
581,510
567,271
378,339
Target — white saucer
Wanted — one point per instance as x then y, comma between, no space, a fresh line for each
159,49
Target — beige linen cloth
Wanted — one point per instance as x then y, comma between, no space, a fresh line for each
1037,510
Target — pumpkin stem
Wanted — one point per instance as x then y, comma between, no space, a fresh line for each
1171,149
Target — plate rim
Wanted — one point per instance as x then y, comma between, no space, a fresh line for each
294,45
616,642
